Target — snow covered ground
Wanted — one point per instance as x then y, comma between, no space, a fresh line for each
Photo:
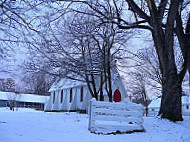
28,125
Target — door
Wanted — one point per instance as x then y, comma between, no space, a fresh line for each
117,96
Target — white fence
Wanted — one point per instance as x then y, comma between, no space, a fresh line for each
106,117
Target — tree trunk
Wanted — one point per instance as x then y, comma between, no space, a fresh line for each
101,87
109,80
171,84
146,111
164,43
171,99
163,38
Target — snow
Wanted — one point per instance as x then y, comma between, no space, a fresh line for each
36,126
6,95
23,97
33,98
65,83
156,102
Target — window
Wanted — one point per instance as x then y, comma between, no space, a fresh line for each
81,94
187,106
61,96
54,97
71,95
8,104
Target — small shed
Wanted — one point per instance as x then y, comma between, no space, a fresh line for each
154,106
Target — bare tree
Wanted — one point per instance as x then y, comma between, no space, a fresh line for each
13,99
159,17
163,18
7,85
35,83
85,52
146,75
138,89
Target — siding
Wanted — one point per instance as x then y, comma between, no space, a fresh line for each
3,103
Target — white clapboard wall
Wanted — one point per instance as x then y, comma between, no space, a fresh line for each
106,117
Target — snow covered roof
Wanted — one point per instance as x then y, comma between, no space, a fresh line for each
68,83
156,102
65,83
23,97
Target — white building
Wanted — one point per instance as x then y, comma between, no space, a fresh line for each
72,95
23,100
154,106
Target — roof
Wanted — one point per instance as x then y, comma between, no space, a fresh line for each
156,102
23,97
65,83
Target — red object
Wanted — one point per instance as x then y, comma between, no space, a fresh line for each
117,96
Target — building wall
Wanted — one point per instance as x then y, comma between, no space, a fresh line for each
118,84
153,111
66,105
186,109
76,103
3,103
39,106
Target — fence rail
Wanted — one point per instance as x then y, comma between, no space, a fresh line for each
106,117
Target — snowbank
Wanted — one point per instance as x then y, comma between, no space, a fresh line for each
33,126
